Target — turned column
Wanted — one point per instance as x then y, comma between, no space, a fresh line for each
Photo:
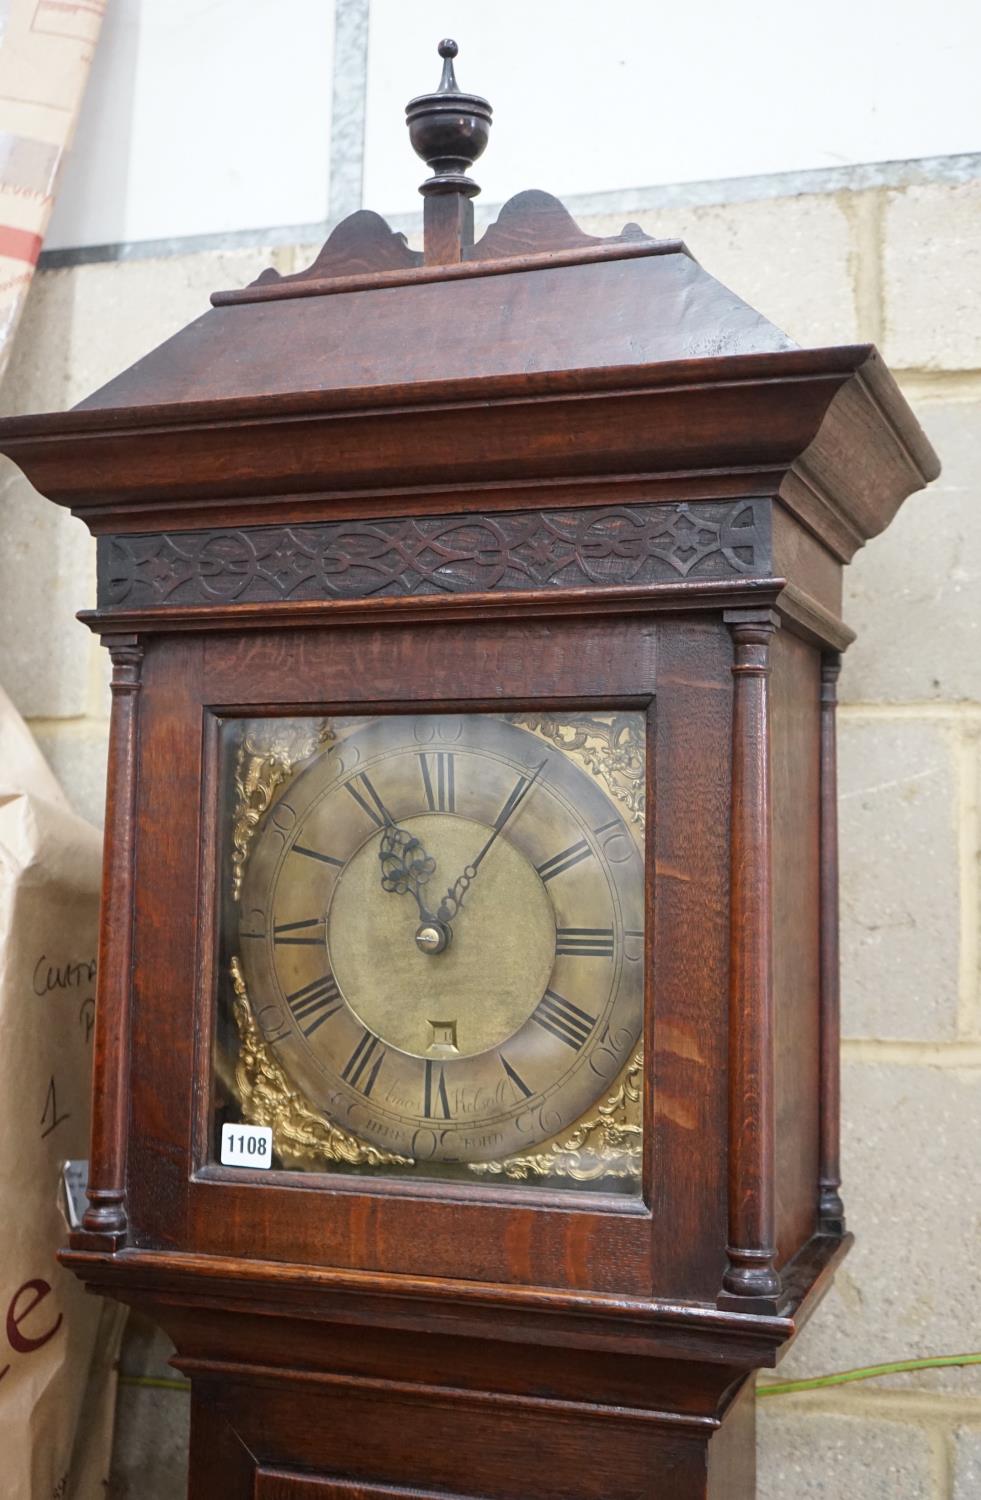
831,1210
104,1221
751,1246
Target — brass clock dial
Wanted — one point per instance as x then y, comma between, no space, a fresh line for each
441,932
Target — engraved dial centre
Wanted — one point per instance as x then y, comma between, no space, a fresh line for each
489,978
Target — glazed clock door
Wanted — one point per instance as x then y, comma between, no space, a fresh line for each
432,946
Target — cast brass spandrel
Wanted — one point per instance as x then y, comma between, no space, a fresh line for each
267,756
302,1136
611,746
608,1143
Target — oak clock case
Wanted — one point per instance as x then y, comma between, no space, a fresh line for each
432,944
416,569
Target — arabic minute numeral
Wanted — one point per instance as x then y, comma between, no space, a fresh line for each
615,842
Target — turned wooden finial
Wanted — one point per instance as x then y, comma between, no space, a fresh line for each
449,130
447,50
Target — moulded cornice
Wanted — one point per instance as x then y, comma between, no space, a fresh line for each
826,430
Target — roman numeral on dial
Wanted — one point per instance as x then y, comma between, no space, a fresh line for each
584,942
564,1020
515,1077
439,780
362,1066
436,1105
564,860
326,859
315,1003
368,800
288,932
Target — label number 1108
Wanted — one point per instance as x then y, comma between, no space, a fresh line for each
246,1146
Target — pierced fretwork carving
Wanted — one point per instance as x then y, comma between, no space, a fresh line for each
516,550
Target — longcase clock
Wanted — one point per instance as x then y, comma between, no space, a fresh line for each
466,1079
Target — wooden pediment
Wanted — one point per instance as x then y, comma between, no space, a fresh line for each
534,295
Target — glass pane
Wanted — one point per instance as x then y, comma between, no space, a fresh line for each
431,957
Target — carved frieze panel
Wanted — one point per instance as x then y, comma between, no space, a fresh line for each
458,554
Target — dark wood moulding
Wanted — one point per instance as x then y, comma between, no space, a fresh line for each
787,425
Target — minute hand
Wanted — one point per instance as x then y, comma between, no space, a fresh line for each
453,900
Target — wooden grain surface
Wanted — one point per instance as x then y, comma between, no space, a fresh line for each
795,760
751,1231
831,1209
363,1339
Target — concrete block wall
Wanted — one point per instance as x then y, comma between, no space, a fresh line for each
899,264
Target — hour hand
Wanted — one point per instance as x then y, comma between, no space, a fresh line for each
405,865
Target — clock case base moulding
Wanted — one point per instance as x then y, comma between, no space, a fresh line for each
336,1387
663,492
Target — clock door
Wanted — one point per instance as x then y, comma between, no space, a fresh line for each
438,990
431,955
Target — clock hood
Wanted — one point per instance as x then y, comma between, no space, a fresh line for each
534,296
539,357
